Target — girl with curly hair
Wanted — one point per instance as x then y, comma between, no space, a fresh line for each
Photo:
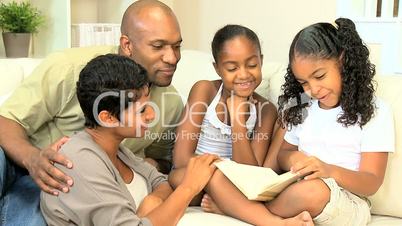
339,133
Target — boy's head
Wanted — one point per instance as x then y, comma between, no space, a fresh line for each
108,87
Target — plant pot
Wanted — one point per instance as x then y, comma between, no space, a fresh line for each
16,44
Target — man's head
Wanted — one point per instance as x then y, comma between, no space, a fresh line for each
151,37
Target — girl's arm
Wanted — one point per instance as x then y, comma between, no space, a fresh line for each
289,155
271,160
251,151
254,151
191,120
367,180
364,182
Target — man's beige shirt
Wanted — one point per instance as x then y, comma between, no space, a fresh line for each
46,106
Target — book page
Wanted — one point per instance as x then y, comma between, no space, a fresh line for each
282,181
256,183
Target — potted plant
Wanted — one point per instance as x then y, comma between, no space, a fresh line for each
18,21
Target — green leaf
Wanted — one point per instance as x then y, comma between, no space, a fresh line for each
20,17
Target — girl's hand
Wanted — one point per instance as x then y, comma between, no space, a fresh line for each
238,107
312,167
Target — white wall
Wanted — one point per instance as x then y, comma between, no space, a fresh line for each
56,32
275,22
102,11
385,46
60,14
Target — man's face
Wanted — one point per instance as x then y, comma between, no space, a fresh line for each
156,46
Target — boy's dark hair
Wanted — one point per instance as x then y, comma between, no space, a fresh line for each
229,32
325,41
107,73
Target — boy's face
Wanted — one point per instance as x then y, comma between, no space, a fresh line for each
135,118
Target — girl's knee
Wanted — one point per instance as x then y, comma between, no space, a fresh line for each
217,177
311,195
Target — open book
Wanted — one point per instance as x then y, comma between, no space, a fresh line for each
256,183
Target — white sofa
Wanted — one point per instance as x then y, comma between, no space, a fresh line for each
12,73
386,203
195,65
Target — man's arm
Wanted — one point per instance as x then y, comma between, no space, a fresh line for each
15,142
32,105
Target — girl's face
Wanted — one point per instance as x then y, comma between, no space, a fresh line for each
320,78
239,65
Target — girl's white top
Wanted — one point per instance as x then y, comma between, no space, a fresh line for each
322,136
216,137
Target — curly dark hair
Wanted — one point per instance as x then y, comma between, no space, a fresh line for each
341,43
106,79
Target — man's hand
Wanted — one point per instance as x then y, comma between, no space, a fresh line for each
49,178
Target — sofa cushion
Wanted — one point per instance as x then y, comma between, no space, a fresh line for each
384,221
11,75
193,66
194,216
272,79
387,200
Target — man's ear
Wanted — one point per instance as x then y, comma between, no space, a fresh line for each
107,120
125,46
216,69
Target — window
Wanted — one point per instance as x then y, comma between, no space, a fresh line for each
379,23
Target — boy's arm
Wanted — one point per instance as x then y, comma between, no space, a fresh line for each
154,199
198,172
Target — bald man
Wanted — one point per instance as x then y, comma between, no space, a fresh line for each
45,108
